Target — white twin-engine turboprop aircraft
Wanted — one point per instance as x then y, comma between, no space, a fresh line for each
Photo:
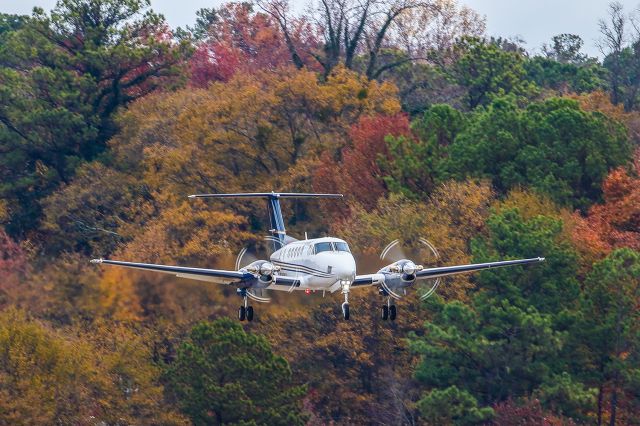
324,264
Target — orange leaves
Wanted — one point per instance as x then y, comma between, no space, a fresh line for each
616,222
600,101
250,129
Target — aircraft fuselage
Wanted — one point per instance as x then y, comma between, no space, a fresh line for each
319,264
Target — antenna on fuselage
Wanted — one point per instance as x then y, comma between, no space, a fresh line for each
275,213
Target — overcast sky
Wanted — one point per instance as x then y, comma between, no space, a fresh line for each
535,21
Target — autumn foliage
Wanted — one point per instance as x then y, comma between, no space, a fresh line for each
616,222
434,132
245,40
355,168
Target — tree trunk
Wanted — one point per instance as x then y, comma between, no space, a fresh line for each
600,397
614,405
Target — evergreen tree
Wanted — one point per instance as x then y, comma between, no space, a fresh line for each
608,333
223,375
552,146
63,76
507,342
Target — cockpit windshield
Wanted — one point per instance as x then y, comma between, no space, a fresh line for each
328,246
342,247
320,247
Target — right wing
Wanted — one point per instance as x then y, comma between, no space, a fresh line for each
218,276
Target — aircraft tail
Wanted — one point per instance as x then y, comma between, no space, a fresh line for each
275,213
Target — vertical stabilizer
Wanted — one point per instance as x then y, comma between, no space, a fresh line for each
276,222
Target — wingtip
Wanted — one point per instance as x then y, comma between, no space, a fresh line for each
192,196
96,260
541,259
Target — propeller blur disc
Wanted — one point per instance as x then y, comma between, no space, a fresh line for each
421,252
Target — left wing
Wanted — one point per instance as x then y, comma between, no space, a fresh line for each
461,269
218,276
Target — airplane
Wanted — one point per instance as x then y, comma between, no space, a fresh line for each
318,264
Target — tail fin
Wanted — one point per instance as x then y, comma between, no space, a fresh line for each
275,214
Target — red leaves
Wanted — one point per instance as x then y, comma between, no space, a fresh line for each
12,257
213,63
245,41
358,174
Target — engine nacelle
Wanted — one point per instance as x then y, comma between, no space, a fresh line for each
400,274
264,271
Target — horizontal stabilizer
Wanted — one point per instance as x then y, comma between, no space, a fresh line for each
267,195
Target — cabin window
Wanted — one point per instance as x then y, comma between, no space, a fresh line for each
342,247
320,247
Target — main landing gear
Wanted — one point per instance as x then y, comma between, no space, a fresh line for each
389,311
245,311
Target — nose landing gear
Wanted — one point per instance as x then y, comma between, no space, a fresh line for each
245,311
345,306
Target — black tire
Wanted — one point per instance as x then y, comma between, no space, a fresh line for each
345,311
242,313
250,313
392,312
385,312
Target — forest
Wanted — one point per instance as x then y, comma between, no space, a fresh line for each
109,118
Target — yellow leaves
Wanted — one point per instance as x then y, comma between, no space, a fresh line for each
190,230
131,392
119,297
4,211
249,129
101,375
43,377
532,204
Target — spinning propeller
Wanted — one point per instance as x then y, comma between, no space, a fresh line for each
399,253
252,258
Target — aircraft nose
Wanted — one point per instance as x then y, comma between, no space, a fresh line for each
345,267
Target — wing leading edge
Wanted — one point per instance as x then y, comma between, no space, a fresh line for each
461,269
219,276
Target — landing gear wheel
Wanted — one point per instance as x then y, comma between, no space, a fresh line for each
385,312
345,310
250,313
242,312
392,312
